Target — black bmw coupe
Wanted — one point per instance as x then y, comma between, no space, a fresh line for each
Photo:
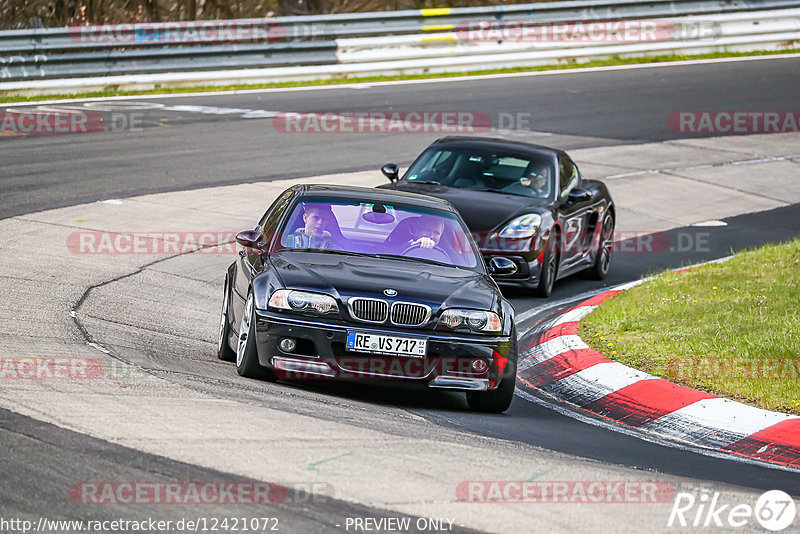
351,283
524,203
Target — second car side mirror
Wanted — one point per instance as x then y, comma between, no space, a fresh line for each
579,194
250,239
500,265
391,171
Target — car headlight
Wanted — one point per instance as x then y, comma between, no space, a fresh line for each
476,320
522,227
303,301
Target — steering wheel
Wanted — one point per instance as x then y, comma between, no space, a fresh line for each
428,253
437,173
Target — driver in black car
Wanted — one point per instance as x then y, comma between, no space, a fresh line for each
532,183
426,232
536,180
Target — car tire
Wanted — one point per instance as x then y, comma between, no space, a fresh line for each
499,399
247,364
549,268
605,248
224,350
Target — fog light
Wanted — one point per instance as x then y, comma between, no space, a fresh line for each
288,344
479,365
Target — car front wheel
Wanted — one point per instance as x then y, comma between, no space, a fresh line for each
247,364
498,400
224,350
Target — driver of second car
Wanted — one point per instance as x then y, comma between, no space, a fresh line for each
426,232
536,180
313,234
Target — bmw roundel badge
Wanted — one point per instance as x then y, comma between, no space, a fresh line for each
390,292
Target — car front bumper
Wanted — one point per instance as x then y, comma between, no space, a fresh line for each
529,269
321,353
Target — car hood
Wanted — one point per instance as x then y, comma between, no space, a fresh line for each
346,276
483,211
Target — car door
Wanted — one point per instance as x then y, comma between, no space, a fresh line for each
250,261
573,215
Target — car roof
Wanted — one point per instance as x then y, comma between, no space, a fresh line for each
382,196
496,143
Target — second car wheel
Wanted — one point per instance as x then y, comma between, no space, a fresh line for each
549,268
247,364
605,247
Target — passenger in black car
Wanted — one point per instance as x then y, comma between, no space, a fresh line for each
313,234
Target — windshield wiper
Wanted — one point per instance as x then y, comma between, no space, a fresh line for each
412,259
326,251
428,182
487,190
424,260
501,192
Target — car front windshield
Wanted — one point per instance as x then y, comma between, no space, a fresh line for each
383,230
513,174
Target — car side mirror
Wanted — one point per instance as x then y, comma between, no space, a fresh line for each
579,194
502,266
250,239
391,171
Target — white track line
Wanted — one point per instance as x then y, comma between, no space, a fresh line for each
595,382
715,422
574,315
582,417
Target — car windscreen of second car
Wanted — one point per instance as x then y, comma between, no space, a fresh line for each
382,230
485,170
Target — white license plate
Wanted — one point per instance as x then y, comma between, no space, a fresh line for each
377,344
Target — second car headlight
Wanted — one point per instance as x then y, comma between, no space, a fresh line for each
522,227
477,320
303,301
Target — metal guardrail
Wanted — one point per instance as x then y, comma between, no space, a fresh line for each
178,59
685,34
328,27
361,39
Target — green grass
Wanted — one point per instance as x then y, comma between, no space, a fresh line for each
732,329
614,61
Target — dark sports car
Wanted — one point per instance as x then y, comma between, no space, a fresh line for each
357,283
524,204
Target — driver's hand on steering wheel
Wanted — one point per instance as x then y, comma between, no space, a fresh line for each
424,242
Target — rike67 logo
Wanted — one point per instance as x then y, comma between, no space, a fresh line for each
774,510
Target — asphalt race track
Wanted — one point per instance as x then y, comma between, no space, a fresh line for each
189,149
222,140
